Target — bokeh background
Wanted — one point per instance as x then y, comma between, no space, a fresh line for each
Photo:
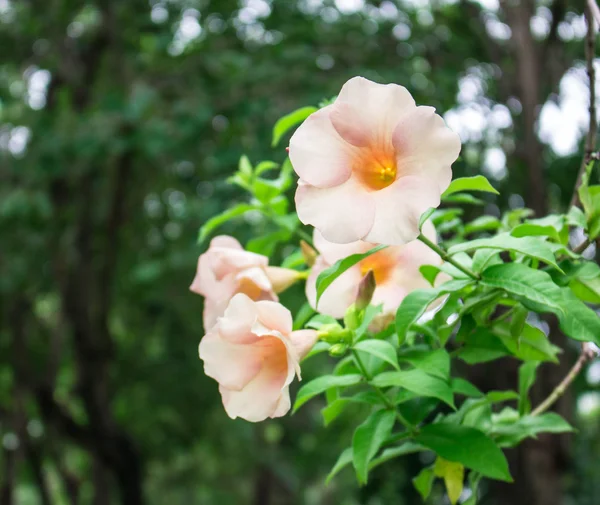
119,122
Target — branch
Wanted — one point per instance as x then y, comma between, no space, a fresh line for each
587,354
590,142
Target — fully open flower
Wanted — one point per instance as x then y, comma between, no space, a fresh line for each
226,269
371,164
396,271
253,354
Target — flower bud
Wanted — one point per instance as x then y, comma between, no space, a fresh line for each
366,289
334,333
282,278
338,350
308,253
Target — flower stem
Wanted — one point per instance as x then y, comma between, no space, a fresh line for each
387,402
446,257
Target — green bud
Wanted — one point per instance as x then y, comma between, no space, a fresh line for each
338,350
334,333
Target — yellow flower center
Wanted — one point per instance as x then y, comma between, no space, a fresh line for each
381,263
376,167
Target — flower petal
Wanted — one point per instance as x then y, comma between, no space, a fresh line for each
399,208
303,341
231,365
260,398
342,213
274,316
317,152
349,124
381,105
238,318
425,146
333,252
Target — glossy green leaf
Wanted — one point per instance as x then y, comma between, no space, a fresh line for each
330,274
343,460
527,373
529,246
476,183
418,382
415,304
367,440
381,349
424,482
467,446
462,386
322,384
284,124
213,223
436,362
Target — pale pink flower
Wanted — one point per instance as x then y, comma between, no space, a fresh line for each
396,271
226,269
371,164
253,354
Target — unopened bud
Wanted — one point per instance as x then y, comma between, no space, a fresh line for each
366,288
334,333
338,350
308,253
282,278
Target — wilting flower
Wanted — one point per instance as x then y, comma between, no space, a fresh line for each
253,354
226,269
371,164
395,268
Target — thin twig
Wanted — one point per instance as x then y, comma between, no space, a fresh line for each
587,354
582,247
594,10
590,143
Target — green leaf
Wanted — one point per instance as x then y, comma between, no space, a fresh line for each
532,344
418,382
465,198
476,183
526,380
482,223
528,246
415,304
244,166
453,475
344,460
368,438
467,446
484,257
289,121
501,396
535,230
222,218
318,348
394,452
423,482
330,274
464,387
436,362
576,217
265,166
381,349
322,384
510,434
536,290
481,346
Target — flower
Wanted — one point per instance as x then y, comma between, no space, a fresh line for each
226,269
395,268
370,164
253,354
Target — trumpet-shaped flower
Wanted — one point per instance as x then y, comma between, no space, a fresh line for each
226,269
254,355
370,164
395,268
